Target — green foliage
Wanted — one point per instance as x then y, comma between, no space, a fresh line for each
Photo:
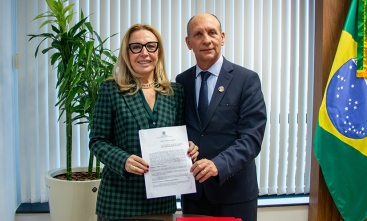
82,63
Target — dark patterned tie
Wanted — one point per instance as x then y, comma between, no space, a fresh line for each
203,96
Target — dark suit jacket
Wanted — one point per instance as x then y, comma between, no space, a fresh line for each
232,134
114,137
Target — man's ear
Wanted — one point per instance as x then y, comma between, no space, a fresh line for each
223,35
188,43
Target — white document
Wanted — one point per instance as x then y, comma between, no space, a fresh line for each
165,150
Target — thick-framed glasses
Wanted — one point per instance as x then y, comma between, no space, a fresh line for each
137,47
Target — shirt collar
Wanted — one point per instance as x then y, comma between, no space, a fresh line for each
214,69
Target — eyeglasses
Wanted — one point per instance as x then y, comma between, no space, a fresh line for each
137,47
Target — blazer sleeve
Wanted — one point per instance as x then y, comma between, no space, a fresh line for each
102,138
250,129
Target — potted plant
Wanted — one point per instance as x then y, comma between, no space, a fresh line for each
82,63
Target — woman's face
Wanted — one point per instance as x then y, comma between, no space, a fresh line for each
143,62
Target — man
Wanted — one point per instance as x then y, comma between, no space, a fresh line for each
227,123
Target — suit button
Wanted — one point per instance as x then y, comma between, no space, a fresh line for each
154,123
202,134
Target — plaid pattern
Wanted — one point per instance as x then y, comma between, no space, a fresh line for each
114,137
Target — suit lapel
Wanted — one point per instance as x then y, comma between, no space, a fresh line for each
164,113
224,79
135,104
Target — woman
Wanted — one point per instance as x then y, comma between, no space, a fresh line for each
139,96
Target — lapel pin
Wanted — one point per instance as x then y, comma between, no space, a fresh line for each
221,89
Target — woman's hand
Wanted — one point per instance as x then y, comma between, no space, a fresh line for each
193,151
136,165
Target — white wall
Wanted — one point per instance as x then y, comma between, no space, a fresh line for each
284,213
287,213
8,111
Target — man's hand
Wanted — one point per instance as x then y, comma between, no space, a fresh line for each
203,169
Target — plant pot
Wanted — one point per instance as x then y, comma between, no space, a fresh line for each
71,200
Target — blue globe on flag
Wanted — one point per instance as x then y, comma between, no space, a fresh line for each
346,99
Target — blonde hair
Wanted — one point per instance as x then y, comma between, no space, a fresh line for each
125,76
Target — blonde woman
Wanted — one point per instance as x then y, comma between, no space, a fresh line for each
139,96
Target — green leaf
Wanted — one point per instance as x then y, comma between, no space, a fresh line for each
43,15
88,102
68,8
99,39
44,51
47,35
56,30
46,22
89,48
69,18
59,8
55,57
52,4
36,52
89,27
77,26
76,79
80,34
81,15
70,64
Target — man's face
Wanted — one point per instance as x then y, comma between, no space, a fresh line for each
205,39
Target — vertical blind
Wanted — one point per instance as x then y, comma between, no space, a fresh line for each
273,38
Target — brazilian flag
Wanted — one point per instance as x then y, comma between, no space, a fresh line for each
340,141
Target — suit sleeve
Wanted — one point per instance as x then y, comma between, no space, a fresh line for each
102,143
179,94
250,129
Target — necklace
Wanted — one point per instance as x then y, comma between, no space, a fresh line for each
146,86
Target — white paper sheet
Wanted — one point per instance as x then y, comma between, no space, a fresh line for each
165,150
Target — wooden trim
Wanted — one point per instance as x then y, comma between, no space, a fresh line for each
329,22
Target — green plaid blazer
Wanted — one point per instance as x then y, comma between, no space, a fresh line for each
114,137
